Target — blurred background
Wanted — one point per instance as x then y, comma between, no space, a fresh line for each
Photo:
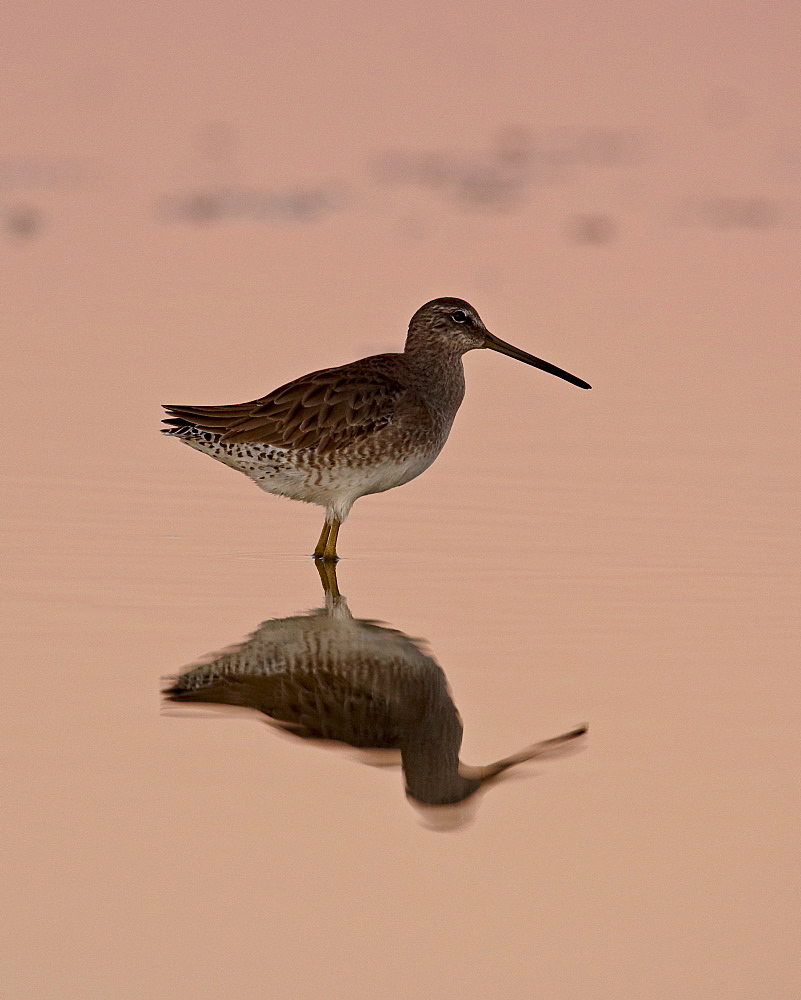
201,201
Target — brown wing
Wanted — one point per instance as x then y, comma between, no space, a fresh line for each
315,705
326,410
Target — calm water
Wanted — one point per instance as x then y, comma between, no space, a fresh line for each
656,608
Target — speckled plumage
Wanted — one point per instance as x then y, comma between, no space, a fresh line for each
338,434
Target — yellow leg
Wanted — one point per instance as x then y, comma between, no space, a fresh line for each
330,552
319,549
326,547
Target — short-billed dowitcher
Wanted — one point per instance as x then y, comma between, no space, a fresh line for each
329,676
338,434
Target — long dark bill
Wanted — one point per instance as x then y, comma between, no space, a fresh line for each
496,344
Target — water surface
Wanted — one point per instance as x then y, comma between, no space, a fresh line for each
625,558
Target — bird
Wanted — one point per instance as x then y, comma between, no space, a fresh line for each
328,676
338,434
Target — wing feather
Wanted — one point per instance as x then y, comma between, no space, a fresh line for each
326,410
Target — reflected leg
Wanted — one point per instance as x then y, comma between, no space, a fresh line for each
328,577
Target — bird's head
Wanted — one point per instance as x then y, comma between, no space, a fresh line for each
454,326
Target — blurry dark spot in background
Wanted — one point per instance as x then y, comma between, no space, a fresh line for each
48,172
202,207
23,222
592,229
753,212
484,186
592,147
514,146
500,177
742,213
433,170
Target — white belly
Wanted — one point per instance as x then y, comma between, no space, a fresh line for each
304,476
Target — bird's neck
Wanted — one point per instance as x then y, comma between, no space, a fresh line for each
440,374
429,746
430,756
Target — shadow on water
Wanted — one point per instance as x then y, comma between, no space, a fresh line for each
328,676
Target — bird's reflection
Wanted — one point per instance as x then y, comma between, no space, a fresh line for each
329,676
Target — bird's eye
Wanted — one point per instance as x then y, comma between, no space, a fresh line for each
458,316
